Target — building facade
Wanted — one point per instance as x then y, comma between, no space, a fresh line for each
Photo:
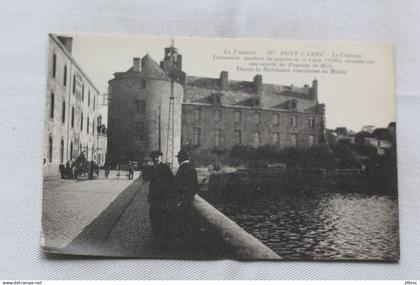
71,109
208,112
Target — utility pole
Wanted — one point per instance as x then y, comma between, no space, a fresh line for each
171,125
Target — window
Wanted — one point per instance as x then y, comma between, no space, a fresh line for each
276,138
218,137
256,139
311,140
87,125
276,119
238,116
52,106
141,107
50,149
81,122
74,83
72,116
93,128
71,150
293,139
256,117
94,103
140,130
83,92
142,83
311,122
65,76
197,114
54,62
217,115
197,136
238,136
63,113
62,151
89,98
293,121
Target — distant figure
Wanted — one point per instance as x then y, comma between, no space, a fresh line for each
107,168
91,169
118,170
97,170
130,170
68,170
62,170
161,182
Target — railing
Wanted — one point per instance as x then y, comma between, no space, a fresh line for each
240,243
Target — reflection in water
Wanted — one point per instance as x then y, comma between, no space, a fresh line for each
324,226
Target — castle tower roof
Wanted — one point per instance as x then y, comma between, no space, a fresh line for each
150,68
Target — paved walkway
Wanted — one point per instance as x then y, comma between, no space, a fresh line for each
99,221
69,206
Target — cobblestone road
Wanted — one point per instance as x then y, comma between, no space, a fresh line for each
69,206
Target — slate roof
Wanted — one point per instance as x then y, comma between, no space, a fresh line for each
241,93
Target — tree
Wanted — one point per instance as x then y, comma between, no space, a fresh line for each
359,138
218,151
342,131
382,134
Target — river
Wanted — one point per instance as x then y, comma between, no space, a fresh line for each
322,226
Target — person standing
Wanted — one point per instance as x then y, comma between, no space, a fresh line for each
186,180
107,168
161,183
130,170
184,221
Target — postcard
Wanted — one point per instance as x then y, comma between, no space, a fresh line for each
220,148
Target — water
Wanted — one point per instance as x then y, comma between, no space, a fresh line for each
322,226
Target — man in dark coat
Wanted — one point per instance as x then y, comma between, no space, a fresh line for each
186,178
161,183
184,221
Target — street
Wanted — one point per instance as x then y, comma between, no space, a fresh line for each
69,205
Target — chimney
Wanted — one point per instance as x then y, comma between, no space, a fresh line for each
224,81
67,43
258,85
136,64
314,88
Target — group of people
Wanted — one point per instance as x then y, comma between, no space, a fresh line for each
73,169
170,199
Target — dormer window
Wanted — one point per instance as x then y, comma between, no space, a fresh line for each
216,99
292,104
256,102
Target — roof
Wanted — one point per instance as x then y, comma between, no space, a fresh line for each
54,37
150,69
242,93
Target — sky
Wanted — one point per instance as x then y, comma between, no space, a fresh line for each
364,95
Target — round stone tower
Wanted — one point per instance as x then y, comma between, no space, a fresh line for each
141,117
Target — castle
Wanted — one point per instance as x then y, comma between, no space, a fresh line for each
158,106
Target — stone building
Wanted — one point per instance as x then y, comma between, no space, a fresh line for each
208,111
71,109
102,141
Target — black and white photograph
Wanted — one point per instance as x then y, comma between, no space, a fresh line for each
219,148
